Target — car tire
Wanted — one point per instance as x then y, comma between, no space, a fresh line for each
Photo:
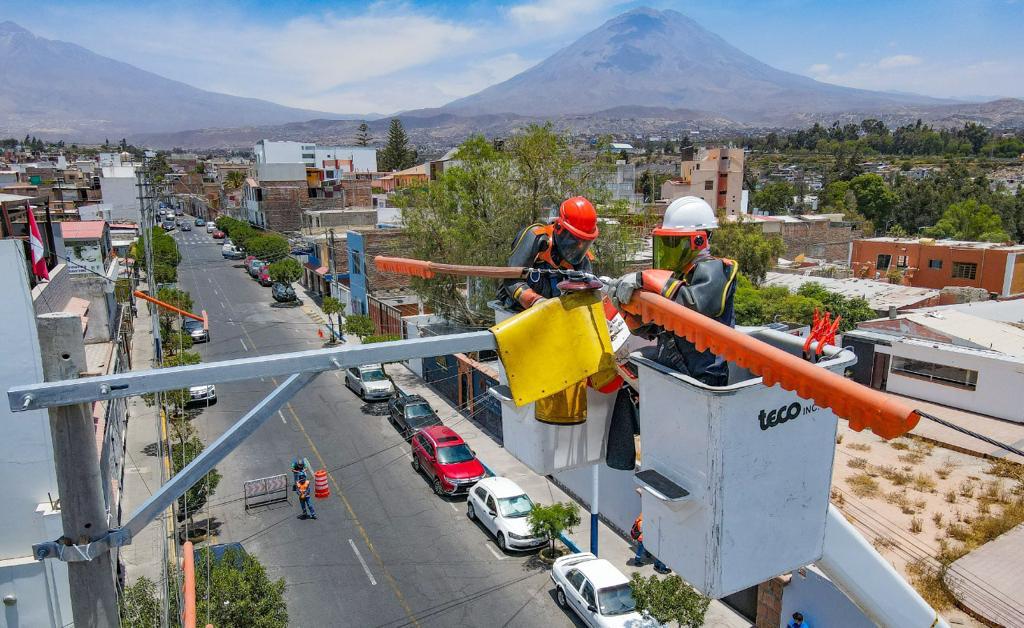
470,511
560,598
438,489
501,543
416,464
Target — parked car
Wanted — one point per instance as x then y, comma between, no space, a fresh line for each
200,222
369,382
168,223
249,259
283,293
230,251
596,591
255,267
411,413
447,461
196,330
210,227
186,226
178,211
203,395
502,507
218,234
264,276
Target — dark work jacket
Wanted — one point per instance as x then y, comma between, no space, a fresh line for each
535,248
708,288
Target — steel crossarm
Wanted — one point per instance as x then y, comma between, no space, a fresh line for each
133,383
162,499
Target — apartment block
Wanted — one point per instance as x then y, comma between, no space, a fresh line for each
715,174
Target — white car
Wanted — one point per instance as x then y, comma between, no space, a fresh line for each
598,592
210,227
370,382
503,508
203,394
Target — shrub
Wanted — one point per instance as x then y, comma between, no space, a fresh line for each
900,499
897,477
923,483
928,579
669,599
857,463
911,457
950,496
551,521
380,338
948,465
140,604
937,519
863,485
899,444
360,325
916,525
859,446
966,488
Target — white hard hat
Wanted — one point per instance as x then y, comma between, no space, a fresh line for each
690,213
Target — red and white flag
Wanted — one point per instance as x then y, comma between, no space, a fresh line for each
35,241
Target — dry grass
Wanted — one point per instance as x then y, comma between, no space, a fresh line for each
916,525
859,446
863,485
894,475
920,504
1011,471
923,483
882,542
994,492
950,496
839,438
966,488
937,519
948,466
912,458
900,499
983,508
928,580
837,497
899,443
857,463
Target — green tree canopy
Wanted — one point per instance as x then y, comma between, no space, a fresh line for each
363,137
746,243
198,494
360,325
669,599
239,592
179,398
769,304
140,604
234,179
285,270
874,199
396,155
267,246
551,521
970,220
774,197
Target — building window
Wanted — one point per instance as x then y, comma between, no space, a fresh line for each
709,185
935,263
964,270
901,261
883,262
308,156
936,373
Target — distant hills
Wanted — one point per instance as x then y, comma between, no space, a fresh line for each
642,72
56,89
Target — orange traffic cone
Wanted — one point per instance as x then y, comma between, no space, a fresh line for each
320,332
320,488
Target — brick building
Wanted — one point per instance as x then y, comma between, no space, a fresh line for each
390,242
928,263
819,236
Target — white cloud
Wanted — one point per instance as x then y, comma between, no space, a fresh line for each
819,69
898,61
841,55
933,78
556,12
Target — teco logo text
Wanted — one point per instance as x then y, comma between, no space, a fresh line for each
772,418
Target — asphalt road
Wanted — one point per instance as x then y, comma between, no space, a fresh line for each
384,551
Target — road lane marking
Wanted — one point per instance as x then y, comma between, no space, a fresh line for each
282,417
494,552
453,507
362,562
244,348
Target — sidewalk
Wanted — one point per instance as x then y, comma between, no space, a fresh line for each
611,546
145,556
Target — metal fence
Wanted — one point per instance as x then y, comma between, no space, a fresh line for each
263,491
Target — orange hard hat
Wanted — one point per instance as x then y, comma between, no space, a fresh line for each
578,216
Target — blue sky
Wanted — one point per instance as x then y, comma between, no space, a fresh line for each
358,57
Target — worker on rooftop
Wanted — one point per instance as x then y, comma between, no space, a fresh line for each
685,272
563,243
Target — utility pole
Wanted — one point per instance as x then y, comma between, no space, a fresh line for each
79,482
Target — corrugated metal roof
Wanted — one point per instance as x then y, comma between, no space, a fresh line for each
82,229
994,335
880,296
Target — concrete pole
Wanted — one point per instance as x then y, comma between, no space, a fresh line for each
594,512
79,482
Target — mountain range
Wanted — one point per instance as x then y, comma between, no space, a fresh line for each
645,71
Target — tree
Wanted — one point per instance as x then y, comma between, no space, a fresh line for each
334,306
360,325
199,493
176,341
285,270
363,137
669,599
970,220
239,592
551,521
396,154
768,304
139,604
179,398
234,180
746,243
874,199
267,246
774,197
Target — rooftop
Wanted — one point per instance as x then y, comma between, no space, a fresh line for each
957,244
984,333
82,229
880,295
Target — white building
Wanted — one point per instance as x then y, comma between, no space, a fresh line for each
332,159
120,194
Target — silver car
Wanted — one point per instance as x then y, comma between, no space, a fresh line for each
370,382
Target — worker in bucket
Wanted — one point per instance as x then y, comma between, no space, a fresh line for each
685,272
563,243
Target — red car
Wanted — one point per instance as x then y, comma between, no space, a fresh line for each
447,461
218,234
264,276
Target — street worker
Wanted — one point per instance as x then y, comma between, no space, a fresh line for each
685,272
305,492
637,534
564,243
299,466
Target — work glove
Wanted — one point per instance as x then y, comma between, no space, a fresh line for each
621,290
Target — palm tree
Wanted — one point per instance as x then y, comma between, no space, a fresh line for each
234,179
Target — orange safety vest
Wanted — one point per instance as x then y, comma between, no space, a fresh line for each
548,230
303,489
638,529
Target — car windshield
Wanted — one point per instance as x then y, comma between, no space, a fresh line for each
454,454
419,422
191,325
616,600
375,375
515,507
418,410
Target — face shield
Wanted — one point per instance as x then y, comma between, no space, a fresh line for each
676,251
571,248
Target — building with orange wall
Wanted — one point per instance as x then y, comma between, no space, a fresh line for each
715,175
929,263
